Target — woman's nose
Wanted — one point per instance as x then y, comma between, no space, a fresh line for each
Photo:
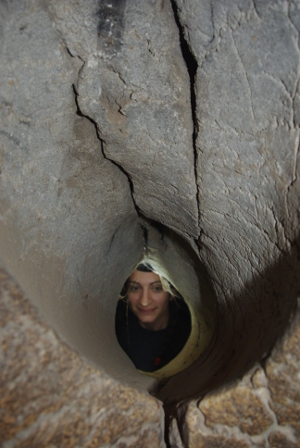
145,299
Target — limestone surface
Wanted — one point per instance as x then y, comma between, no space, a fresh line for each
51,397
246,111
134,85
262,409
66,213
181,118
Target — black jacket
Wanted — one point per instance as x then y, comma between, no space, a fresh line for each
151,350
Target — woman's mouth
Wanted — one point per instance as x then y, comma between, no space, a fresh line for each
146,311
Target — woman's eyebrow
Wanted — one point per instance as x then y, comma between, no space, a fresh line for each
137,283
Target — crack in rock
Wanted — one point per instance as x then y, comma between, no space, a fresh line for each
192,66
102,143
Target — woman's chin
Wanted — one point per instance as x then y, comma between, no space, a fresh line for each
146,318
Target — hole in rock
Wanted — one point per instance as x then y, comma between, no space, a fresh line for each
164,318
90,239
77,290
88,322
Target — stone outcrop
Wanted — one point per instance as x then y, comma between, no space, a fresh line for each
133,85
66,211
262,409
51,397
246,90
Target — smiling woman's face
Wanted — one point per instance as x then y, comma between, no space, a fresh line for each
148,301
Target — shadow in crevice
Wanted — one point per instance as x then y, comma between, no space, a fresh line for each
247,327
175,257
189,251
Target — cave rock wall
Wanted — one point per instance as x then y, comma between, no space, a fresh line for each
132,127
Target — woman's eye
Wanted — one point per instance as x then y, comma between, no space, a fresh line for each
157,289
133,288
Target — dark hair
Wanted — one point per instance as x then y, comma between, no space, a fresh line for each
167,286
144,267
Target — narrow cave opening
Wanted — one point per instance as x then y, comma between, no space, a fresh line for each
178,266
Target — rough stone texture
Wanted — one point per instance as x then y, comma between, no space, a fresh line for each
96,132
282,371
50,397
247,144
135,86
65,211
262,409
